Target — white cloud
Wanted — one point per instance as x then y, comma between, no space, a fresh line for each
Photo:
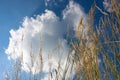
73,14
51,29
46,2
108,5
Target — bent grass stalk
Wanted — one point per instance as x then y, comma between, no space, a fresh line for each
104,40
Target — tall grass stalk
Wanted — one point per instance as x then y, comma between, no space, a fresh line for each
96,50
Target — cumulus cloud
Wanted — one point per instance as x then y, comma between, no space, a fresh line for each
44,31
73,13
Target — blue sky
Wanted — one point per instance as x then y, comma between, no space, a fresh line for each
11,16
13,12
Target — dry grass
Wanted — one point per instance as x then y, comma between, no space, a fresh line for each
102,40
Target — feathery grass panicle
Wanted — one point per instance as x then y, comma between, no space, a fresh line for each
94,56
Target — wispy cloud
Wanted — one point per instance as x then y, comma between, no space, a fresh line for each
46,2
47,28
49,3
108,5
